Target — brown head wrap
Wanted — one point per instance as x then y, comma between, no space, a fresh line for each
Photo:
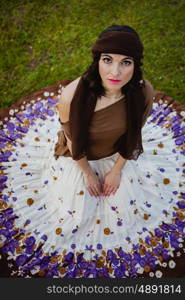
117,42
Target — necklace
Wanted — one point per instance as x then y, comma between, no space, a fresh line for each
111,99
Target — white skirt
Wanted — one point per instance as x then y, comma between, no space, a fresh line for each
52,227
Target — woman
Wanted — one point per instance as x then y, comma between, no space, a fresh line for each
104,198
112,76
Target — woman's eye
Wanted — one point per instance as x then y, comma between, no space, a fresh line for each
106,59
126,62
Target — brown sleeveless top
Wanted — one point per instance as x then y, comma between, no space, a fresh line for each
107,125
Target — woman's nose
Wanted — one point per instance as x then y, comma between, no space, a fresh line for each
115,70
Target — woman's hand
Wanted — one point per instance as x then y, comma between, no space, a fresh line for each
93,184
111,182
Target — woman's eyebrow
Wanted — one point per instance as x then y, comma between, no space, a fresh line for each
128,57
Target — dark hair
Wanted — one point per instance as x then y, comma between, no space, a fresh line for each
89,88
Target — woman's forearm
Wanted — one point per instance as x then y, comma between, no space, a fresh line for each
83,162
119,164
84,165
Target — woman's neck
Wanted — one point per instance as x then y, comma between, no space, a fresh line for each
113,96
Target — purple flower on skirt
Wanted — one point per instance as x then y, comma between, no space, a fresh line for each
110,255
21,260
115,261
51,101
120,252
22,129
38,105
180,141
44,237
69,257
4,157
165,227
2,145
181,204
99,246
113,207
9,225
119,223
158,232
29,250
8,211
30,241
10,126
83,265
50,112
73,246
142,262
3,178
183,195
119,273
79,258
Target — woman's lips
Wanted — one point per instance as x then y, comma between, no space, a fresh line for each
114,80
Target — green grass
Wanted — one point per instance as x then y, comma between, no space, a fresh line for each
43,42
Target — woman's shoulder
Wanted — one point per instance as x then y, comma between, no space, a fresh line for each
69,90
65,100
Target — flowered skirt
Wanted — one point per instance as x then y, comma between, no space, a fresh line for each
50,226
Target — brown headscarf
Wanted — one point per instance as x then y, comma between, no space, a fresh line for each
118,42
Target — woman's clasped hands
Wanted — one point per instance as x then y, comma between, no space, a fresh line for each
108,186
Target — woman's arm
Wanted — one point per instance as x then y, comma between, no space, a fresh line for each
90,178
113,177
83,162
119,164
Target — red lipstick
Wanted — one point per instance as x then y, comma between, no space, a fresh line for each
114,80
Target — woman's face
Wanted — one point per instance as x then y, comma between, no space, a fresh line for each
115,70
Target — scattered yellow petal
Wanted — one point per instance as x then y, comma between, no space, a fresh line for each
142,251
154,242
147,268
106,231
54,260
160,145
30,201
62,270
165,244
146,217
19,250
55,178
154,152
98,221
3,204
99,264
24,165
160,258
58,230
41,273
37,139
110,270
166,180
81,193
26,122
